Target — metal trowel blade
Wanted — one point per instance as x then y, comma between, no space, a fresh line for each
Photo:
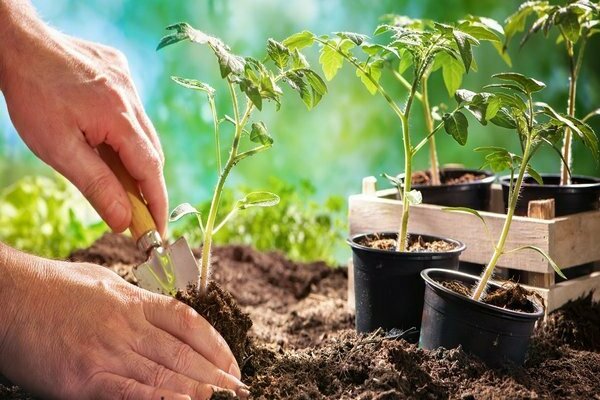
168,270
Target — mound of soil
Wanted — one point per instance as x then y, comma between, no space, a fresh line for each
303,346
424,178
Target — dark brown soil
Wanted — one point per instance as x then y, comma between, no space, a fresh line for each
424,178
221,310
415,244
304,347
511,295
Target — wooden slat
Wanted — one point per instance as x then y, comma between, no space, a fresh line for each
574,239
541,209
561,293
369,214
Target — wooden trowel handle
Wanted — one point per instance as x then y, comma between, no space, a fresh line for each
141,219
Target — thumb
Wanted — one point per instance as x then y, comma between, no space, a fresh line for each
96,181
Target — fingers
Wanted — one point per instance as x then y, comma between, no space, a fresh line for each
188,326
142,162
156,375
165,349
95,180
107,386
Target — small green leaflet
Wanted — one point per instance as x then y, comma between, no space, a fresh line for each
456,125
414,197
374,70
331,61
299,40
465,210
194,84
258,199
181,211
278,53
535,175
259,134
530,85
544,254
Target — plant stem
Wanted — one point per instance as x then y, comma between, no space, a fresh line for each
499,250
213,109
433,157
565,178
214,204
401,241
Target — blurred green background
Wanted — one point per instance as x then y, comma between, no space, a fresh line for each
351,134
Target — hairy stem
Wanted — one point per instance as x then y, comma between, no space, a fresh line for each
433,157
565,178
214,205
499,250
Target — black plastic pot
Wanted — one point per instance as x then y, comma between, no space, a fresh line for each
387,284
474,194
496,335
578,197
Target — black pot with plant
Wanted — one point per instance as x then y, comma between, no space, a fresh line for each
575,22
455,312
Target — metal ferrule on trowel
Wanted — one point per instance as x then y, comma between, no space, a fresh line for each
168,268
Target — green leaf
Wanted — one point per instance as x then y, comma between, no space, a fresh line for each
544,254
357,38
394,180
298,60
181,211
569,22
278,53
194,84
259,134
258,199
507,86
530,85
251,90
456,125
318,86
299,40
516,22
535,175
374,70
587,135
452,72
183,31
504,119
466,210
414,197
331,61
493,106
464,47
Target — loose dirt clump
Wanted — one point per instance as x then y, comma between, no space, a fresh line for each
511,296
220,309
303,345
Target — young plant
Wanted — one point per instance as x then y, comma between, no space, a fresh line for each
453,69
251,80
536,124
576,22
423,49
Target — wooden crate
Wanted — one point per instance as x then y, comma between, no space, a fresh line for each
571,240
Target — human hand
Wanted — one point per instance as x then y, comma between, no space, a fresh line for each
65,97
79,331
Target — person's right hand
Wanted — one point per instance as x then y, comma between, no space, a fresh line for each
78,331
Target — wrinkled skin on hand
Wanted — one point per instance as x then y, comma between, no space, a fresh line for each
66,96
78,331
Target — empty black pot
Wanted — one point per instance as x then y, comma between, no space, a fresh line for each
578,197
496,335
387,285
474,194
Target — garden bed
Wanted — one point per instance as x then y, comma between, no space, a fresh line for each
304,345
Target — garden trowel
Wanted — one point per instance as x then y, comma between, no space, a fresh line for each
169,267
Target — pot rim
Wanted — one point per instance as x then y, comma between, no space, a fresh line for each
504,179
488,307
352,242
490,178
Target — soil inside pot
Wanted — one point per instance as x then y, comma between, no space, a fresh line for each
305,347
424,178
416,244
511,296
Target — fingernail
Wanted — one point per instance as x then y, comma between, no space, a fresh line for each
243,393
117,212
234,370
